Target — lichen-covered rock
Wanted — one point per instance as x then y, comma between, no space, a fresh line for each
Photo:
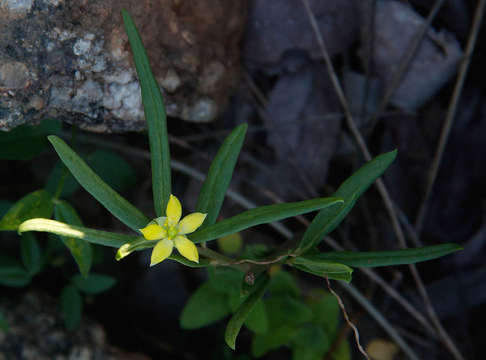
70,59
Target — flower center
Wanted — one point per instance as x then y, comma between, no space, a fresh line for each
171,230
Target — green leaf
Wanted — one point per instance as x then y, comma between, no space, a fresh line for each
326,311
262,215
331,270
285,315
225,279
312,337
182,260
139,244
304,353
3,322
230,244
71,307
113,169
26,141
31,253
285,310
14,276
257,320
80,250
241,314
343,351
276,337
382,258
4,206
204,307
93,283
77,232
283,283
92,183
70,185
155,116
219,175
35,204
350,190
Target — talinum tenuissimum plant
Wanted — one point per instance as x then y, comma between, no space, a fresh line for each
169,229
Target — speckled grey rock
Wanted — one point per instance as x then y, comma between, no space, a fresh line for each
70,59
36,332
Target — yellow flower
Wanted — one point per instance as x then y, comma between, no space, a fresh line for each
170,231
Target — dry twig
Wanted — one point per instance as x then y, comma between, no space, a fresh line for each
380,185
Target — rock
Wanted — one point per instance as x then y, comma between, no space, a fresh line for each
435,62
36,331
70,59
276,27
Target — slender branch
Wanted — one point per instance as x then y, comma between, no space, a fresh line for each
405,62
373,275
346,317
384,323
380,185
451,112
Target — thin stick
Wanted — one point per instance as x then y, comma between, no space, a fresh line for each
380,185
384,323
189,171
373,275
346,317
451,112
405,62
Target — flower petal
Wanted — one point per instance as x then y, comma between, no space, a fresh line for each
153,232
174,210
191,222
187,248
160,220
161,251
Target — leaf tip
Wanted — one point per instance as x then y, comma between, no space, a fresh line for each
230,341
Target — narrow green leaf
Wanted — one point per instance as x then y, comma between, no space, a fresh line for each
139,244
262,215
182,260
31,253
204,307
219,175
331,270
14,276
77,232
241,314
92,183
35,204
71,306
383,258
155,116
350,190
93,283
80,250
